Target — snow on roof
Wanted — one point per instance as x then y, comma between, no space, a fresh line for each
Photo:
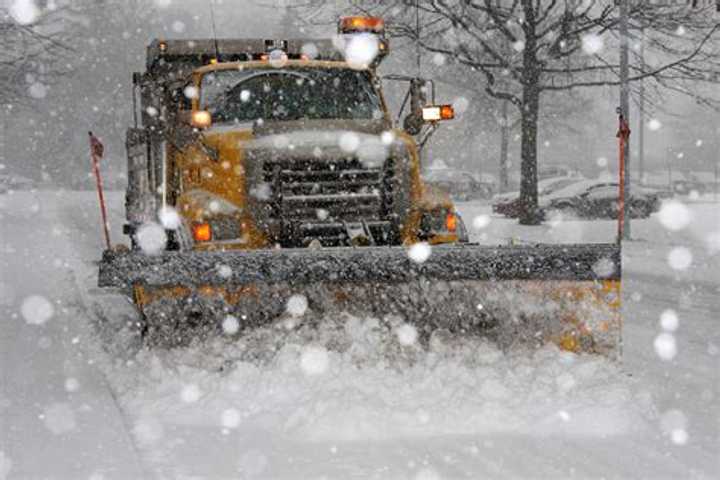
578,188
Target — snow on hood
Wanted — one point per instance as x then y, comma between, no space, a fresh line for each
370,148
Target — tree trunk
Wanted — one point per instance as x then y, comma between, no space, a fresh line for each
504,140
530,214
528,168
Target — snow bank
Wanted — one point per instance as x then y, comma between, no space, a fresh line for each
354,380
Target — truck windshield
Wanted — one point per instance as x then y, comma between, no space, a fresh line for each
289,94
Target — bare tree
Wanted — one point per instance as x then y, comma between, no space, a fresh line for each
34,53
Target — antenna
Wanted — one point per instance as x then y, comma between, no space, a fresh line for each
214,33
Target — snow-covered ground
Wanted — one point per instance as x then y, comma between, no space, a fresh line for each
348,400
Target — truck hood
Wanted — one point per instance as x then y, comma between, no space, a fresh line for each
372,148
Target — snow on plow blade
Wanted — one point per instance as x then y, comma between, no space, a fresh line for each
567,294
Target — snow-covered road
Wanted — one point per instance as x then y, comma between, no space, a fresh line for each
70,410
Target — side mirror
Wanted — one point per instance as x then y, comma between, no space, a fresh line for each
197,118
413,123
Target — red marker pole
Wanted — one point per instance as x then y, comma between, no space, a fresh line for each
623,134
96,153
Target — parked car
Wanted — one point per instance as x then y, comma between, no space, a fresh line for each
508,204
599,199
459,184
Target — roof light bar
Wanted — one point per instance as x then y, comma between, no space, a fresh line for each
361,24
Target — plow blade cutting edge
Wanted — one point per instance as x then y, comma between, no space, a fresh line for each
566,294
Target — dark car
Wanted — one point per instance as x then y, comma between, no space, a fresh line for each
599,199
458,184
508,204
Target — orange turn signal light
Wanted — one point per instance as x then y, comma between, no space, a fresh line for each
202,232
451,222
447,112
362,24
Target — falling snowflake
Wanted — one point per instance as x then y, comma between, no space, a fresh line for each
224,271
310,50
665,346
38,90
387,137
673,423
419,252
297,305
277,58
592,44
654,124
407,334
169,218
604,267
262,191
518,46
481,221
669,320
361,50
151,238
36,310
674,215
191,92
680,258
24,12
178,26
72,384
230,325
349,142
322,214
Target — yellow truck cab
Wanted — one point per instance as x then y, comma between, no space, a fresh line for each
262,146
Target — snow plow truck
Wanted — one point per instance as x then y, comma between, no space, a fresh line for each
264,170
